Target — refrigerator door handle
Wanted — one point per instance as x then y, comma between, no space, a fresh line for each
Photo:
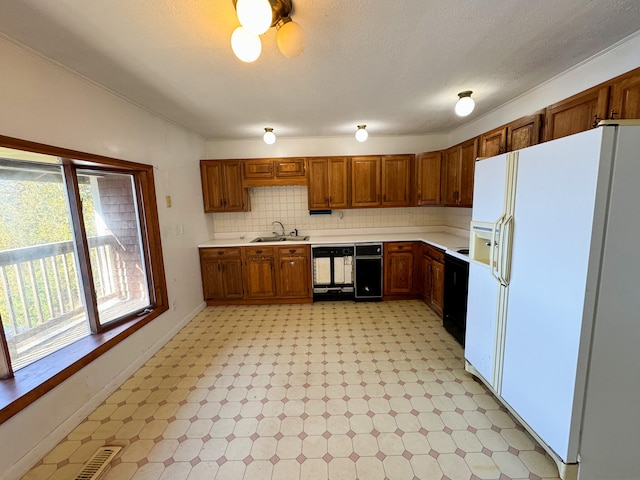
496,232
504,255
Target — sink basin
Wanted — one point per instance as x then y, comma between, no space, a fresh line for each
295,239
266,239
279,239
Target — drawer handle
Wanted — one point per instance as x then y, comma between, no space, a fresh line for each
292,250
258,252
220,253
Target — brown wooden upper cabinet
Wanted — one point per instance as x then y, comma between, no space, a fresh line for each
458,164
222,189
577,113
518,134
365,182
524,132
381,181
264,172
396,180
494,142
328,183
428,178
625,96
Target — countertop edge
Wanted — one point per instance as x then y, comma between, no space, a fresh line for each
448,242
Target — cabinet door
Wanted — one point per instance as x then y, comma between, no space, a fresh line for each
289,167
232,278
399,268
338,168
428,178
450,176
318,193
437,287
212,279
625,97
396,180
294,277
212,190
427,281
494,142
468,156
524,132
258,168
260,280
365,181
577,113
236,198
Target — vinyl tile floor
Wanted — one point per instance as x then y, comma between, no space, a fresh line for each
330,390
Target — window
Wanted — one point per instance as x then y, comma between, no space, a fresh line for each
80,258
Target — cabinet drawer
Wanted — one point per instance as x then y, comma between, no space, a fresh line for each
258,169
225,252
293,167
293,251
399,247
259,251
435,253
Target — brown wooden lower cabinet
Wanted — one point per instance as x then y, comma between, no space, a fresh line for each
433,277
250,275
294,272
221,273
400,269
259,272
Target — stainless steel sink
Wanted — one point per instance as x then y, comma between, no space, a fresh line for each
266,239
280,239
296,239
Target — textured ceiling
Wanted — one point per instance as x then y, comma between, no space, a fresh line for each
396,65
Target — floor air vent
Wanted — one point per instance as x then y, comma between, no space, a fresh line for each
97,464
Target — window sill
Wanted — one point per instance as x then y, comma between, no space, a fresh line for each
35,380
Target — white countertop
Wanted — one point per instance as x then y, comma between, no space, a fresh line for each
445,238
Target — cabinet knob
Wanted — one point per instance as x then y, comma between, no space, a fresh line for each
220,252
292,263
596,119
612,114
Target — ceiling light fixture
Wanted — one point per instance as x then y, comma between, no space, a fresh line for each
269,137
361,133
256,17
465,104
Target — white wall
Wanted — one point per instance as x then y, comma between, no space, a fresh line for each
47,104
318,146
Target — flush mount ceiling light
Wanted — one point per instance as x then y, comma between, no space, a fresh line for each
465,104
256,17
269,137
361,133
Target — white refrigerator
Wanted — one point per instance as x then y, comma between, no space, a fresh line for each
553,320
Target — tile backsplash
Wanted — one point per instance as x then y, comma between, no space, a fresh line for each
289,206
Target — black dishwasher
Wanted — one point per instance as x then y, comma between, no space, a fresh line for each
456,282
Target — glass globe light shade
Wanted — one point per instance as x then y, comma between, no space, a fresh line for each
245,45
269,137
290,39
465,104
254,15
361,133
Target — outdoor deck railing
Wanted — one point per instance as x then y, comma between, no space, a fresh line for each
39,285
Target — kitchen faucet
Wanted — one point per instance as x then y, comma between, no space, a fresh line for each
281,226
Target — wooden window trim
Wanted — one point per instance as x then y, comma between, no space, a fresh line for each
33,381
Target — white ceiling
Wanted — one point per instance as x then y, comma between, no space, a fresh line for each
396,65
